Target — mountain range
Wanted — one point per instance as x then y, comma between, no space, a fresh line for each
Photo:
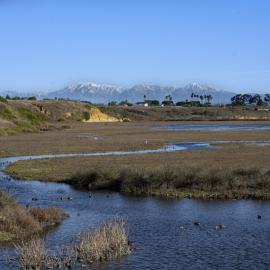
104,93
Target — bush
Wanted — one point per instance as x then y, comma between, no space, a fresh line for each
86,116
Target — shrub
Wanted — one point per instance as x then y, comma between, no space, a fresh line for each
86,116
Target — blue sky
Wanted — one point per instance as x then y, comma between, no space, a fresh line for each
47,44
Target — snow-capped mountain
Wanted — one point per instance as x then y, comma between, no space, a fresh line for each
98,93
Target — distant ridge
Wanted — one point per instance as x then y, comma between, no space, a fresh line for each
104,93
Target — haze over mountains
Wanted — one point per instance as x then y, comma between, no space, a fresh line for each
104,93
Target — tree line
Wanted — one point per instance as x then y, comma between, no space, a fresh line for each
248,99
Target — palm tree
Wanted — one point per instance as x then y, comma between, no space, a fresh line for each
144,97
201,98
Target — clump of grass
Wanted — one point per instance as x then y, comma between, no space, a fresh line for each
18,222
48,216
107,242
32,254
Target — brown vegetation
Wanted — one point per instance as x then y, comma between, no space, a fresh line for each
32,254
177,182
108,241
18,222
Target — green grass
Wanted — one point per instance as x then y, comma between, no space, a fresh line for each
19,119
7,237
32,117
6,113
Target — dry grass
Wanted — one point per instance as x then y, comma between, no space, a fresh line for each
48,216
18,222
181,182
32,254
107,242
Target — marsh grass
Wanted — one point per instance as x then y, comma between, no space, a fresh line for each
32,255
180,182
18,222
107,242
48,216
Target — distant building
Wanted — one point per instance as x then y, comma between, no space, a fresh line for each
145,104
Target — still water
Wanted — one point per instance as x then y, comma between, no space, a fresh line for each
216,127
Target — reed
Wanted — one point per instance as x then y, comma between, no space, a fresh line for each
106,242
32,255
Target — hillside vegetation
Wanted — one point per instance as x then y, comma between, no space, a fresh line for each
178,113
31,116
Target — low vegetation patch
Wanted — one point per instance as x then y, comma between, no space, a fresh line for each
107,242
32,254
177,182
19,119
18,222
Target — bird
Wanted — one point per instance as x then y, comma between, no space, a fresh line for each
220,226
196,223
259,217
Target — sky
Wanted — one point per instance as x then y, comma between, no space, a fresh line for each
48,44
